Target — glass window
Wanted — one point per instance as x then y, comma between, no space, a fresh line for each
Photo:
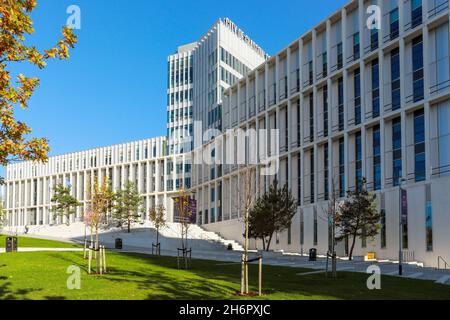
376,158
357,88
397,152
341,168
416,13
358,160
356,46
394,24
395,77
375,89
419,145
417,61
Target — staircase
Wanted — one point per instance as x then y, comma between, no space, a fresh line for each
214,237
142,235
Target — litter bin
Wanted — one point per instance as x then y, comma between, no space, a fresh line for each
118,243
11,244
312,254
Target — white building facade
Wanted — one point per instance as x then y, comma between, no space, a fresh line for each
159,167
222,56
30,186
180,78
348,102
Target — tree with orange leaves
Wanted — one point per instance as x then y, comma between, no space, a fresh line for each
15,25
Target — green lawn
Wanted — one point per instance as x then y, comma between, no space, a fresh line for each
27,242
42,275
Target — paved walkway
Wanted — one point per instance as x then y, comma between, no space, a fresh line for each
3,250
298,261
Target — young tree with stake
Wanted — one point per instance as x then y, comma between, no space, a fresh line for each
182,203
247,198
102,197
331,212
272,213
358,216
158,217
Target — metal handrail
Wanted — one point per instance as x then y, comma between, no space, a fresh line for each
439,259
438,9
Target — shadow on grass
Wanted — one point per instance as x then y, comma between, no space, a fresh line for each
6,293
177,285
207,279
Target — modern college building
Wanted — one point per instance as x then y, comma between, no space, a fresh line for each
159,167
29,187
347,102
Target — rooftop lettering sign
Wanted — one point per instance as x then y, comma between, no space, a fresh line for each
238,32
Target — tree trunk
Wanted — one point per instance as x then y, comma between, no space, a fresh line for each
157,235
129,225
350,255
96,238
264,243
268,243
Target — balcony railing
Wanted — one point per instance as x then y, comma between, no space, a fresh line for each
309,196
323,179
283,88
336,57
439,76
391,179
262,100
243,111
392,30
307,74
354,112
322,66
440,157
414,86
437,9
234,116
392,98
272,94
322,130
338,118
252,106
353,48
295,81
415,18
373,44
295,136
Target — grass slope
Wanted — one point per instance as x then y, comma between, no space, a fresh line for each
42,275
28,242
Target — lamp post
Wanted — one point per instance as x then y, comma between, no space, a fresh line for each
400,227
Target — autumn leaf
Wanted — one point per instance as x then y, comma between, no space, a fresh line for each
15,25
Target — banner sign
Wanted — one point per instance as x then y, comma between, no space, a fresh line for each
404,197
193,209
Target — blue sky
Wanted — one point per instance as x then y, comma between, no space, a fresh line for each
112,89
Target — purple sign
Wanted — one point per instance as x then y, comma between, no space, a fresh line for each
193,209
404,197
